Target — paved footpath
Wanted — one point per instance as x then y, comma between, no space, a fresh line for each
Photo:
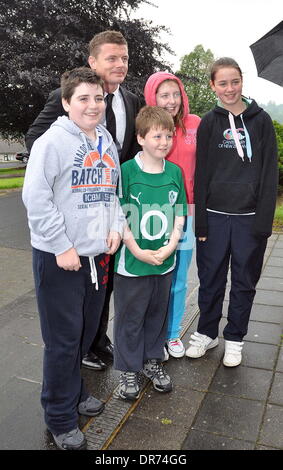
217,408
211,407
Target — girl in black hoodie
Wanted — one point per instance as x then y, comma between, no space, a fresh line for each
235,195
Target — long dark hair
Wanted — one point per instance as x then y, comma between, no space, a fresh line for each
224,62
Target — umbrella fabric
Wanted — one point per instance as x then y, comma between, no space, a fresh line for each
268,55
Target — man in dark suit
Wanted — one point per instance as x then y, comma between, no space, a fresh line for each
108,56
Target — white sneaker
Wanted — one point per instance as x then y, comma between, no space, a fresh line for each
233,353
175,347
199,344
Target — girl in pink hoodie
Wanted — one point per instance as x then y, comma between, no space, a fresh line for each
166,90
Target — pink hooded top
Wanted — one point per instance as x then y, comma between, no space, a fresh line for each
183,151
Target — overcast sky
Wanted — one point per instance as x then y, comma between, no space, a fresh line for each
226,27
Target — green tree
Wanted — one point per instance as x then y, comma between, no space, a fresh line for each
194,72
43,38
279,136
275,111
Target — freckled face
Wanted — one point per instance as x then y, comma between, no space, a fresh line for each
168,96
157,143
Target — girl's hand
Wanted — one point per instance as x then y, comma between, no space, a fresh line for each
202,239
69,260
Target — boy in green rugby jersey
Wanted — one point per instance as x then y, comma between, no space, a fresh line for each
154,203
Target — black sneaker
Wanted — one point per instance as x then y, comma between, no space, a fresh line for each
72,440
129,388
153,369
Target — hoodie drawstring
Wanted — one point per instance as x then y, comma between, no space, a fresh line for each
93,272
248,140
237,140
235,136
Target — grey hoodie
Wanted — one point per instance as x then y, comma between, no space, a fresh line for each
70,190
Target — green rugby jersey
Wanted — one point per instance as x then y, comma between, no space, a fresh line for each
150,203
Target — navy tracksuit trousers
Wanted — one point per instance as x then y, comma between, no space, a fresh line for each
69,307
230,241
141,319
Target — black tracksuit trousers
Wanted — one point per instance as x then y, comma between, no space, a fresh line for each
69,308
101,339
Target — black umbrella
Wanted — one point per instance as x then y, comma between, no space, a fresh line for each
268,55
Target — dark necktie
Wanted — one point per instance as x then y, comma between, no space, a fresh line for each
110,116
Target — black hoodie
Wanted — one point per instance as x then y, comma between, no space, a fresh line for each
232,180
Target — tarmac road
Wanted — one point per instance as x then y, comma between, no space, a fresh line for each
12,164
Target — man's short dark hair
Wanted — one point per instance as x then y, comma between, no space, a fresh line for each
106,37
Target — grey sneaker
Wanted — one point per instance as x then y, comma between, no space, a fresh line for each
72,440
91,407
129,387
153,369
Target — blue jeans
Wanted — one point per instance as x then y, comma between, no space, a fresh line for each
179,287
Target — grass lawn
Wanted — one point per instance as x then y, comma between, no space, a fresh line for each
279,214
11,178
278,217
10,183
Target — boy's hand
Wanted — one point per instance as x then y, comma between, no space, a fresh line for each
149,257
163,253
113,242
69,260
202,239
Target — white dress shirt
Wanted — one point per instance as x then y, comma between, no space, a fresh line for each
118,107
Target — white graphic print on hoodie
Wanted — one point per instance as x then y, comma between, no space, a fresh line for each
70,190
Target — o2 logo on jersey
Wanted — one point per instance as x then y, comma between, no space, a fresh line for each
159,220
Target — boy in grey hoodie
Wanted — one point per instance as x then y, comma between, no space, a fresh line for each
75,222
